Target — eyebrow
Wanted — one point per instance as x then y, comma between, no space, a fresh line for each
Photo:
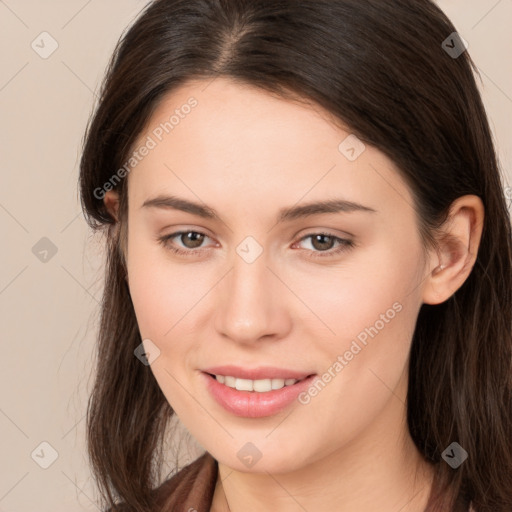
284,214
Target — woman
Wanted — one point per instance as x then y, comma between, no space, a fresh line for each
309,259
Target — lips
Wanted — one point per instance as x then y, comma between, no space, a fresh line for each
253,404
262,372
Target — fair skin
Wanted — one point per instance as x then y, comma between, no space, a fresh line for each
247,154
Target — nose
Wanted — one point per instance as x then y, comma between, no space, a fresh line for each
251,303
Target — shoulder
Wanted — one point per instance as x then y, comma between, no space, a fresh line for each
192,487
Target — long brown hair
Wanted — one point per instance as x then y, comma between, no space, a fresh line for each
384,69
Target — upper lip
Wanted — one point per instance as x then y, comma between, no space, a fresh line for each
262,372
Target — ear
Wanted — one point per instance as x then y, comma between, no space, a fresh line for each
457,252
111,201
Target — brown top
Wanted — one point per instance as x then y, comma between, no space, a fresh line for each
191,489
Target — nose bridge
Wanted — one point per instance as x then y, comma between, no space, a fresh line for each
248,306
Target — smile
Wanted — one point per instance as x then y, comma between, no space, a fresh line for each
259,386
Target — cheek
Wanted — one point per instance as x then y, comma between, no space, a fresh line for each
163,292
372,288
370,310
164,298
364,361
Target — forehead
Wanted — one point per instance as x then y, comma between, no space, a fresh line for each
240,121
211,137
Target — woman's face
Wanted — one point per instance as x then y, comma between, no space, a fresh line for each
254,288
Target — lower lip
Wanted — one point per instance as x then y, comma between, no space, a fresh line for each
253,404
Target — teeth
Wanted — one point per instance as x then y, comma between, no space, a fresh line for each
261,386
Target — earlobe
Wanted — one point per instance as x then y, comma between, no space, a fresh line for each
457,250
111,201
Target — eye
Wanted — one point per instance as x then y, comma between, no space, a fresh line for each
192,241
322,244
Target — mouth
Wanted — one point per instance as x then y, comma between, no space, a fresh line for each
255,398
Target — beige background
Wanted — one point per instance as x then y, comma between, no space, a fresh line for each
50,309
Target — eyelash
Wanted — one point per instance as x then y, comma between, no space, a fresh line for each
344,244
